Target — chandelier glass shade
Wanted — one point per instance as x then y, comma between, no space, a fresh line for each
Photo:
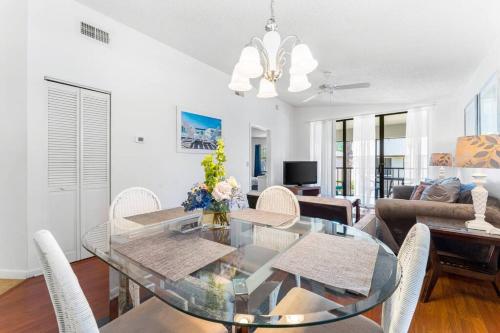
267,89
266,58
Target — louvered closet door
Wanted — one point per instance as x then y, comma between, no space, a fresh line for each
63,169
94,156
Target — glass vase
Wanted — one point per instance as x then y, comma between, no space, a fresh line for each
213,219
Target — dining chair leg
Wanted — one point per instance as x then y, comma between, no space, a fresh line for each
433,275
240,329
123,295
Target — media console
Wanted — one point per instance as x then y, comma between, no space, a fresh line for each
306,190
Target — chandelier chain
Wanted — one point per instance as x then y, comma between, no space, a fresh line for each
272,9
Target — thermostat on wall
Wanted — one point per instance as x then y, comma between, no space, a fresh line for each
139,139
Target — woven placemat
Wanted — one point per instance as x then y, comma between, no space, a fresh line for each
336,261
262,217
162,215
173,255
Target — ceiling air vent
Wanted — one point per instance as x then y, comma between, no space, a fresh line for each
94,33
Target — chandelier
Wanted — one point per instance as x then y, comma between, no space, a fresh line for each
266,58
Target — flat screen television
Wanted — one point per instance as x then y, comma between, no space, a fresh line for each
300,172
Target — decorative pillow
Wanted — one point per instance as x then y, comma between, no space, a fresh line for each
447,180
444,191
417,193
467,187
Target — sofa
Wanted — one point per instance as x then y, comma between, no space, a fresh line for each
400,213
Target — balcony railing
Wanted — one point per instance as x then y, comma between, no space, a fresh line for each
392,177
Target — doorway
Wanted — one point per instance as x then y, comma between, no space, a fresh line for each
260,158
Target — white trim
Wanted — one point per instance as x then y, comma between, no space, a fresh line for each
269,171
68,83
13,274
19,273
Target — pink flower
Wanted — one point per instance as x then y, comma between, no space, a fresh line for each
222,191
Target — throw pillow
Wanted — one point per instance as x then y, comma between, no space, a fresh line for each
445,191
417,193
467,187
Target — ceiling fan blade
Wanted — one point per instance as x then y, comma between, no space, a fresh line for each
311,97
352,86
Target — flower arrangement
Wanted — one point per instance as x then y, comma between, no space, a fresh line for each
217,194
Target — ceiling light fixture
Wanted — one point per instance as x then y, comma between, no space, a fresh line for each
266,58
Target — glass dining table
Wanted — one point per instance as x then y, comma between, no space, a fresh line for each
242,288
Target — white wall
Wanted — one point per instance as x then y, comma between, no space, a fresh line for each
13,36
447,122
147,80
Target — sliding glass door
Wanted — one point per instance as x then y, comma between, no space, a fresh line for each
343,156
390,147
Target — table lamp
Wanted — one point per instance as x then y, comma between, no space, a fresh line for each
479,152
441,160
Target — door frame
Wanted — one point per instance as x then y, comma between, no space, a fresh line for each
50,80
268,153
380,168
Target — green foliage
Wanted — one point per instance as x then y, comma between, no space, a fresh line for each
214,170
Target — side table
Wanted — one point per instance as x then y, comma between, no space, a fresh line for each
455,264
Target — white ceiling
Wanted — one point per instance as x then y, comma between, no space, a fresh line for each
411,51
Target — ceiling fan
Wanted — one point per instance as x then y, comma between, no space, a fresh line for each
328,87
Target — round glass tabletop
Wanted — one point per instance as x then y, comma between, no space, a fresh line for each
230,276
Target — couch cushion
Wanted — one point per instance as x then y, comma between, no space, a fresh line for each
401,215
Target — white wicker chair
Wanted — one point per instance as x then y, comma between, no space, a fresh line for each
397,311
73,312
279,199
132,201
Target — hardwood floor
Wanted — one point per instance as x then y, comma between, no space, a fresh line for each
27,307
6,284
458,305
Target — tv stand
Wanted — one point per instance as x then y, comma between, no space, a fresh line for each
311,190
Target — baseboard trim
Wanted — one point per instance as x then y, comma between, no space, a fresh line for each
15,274
19,274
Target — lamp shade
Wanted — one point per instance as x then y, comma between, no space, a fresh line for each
299,83
478,151
440,159
266,89
302,60
249,63
239,82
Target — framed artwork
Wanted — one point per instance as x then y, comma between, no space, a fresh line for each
197,133
489,115
471,117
